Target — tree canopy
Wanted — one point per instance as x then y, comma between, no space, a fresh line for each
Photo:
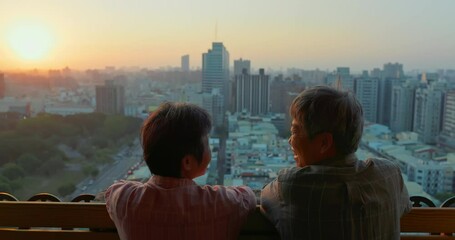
23,141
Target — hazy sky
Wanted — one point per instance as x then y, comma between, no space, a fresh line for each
279,34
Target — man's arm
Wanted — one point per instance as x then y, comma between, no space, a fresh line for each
270,200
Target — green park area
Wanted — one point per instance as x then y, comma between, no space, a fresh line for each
52,153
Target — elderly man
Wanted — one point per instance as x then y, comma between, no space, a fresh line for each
330,194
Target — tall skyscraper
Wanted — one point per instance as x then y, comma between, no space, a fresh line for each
215,68
392,75
215,75
402,108
253,93
241,64
447,137
185,63
367,90
110,98
428,113
2,86
385,98
213,103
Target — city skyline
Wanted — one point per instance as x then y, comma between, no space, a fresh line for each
301,34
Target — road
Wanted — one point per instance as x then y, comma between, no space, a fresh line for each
123,161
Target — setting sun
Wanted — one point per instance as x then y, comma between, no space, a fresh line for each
30,41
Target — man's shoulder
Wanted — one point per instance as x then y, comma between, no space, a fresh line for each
288,172
295,173
382,163
304,172
328,173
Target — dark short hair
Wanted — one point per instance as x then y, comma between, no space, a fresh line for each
325,109
171,132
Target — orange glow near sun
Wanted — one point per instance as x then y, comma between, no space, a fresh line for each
30,41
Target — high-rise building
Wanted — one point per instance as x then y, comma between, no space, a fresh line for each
213,103
110,98
314,77
393,70
428,113
252,93
367,90
447,137
428,78
241,64
215,68
2,86
376,73
280,87
185,63
392,75
385,101
341,79
215,74
402,108
277,91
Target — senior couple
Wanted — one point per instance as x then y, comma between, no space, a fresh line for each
328,194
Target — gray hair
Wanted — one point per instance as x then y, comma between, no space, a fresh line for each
325,109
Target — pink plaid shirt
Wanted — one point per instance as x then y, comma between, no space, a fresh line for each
174,208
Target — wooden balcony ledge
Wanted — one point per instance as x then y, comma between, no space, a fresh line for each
25,220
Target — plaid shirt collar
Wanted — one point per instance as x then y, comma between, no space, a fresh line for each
337,161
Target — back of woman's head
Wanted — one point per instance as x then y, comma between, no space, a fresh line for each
171,132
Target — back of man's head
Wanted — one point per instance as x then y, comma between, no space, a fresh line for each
171,132
325,109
